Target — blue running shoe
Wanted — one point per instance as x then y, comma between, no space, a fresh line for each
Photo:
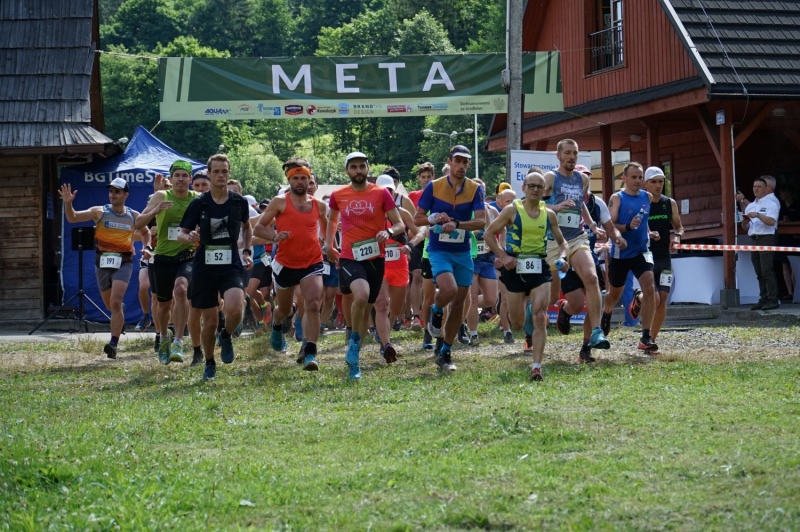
298,328
165,348
352,360
225,348
528,325
310,363
210,373
277,341
599,340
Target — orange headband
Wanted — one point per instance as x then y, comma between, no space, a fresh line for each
298,170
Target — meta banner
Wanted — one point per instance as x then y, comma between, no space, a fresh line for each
346,87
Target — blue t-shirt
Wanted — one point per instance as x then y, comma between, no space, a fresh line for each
637,239
439,196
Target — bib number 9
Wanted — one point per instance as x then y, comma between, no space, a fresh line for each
569,219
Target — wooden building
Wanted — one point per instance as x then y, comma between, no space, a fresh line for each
50,114
708,90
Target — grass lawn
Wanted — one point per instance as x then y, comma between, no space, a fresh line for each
702,438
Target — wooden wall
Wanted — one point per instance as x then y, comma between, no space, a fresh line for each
653,53
21,228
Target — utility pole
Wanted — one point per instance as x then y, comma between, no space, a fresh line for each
512,79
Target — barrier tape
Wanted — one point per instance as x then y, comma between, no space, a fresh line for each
723,247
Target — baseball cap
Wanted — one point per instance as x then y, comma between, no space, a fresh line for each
119,183
385,180
354,155
503,187
582,169
251,200
460,149
200,174
652,172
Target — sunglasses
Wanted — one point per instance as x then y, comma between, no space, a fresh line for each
534,186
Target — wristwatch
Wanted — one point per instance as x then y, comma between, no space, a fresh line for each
248,251
391,234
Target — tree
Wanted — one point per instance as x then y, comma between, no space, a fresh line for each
313,15
140,25
258,169
460,18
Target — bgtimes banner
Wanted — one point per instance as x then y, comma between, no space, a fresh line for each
345,87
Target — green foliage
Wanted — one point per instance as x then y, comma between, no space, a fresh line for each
491,37
258,169
367,34
460,18
423,34
313,15
140,25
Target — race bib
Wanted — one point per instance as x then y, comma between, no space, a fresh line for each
666,278
366,249
569,219
392,252
110,261
172,232
529,264
266,260
152,259
648,257
457,239
276,267
326,268
483,249
218,255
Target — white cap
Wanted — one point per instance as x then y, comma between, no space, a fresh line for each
119,183
385,181
653,171
355,155
251,200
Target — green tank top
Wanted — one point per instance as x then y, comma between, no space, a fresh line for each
169,222
527,235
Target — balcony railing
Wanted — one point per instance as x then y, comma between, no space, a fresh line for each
606,48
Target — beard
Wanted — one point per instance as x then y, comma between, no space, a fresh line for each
358,178
300,189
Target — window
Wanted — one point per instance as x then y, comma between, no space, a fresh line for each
605,44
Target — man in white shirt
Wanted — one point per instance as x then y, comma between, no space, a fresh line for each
761,221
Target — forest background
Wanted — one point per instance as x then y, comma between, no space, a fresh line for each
134,33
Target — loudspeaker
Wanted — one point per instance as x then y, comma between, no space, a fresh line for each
83,236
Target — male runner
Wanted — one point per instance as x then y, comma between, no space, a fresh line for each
363,208
215,219
525,273
456,206
113,237
298,261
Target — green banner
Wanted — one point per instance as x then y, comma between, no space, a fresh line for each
345,87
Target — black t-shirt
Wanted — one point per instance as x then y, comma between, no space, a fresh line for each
219,224
792,212
660,219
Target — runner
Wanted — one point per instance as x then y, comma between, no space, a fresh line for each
484,278
172,265
113,236
215,220
363,208
456,207
425,174
526,274
298,261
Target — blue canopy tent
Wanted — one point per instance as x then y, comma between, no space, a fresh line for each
144,157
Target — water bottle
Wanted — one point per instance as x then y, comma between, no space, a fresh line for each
438,230
559,264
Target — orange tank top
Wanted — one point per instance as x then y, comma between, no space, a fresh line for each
302,248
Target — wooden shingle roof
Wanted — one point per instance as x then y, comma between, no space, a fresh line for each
46,59
741,46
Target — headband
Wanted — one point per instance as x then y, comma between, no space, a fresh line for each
297,170
180,165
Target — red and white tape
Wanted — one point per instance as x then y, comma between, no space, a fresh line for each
724,247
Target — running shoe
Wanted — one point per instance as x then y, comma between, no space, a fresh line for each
397,325
110,350
508,337
176,352
562,322
144,323
427,341
416,324
435,323
528,324
210,372
197,358
770,305
164,350
277,341
648,346
266,313
585,356
351,358
389,353
636,304
528,346
463,335
536,374
474,340
157,344
605,323
445,361
598,340
310,363
406,325
226,349
438,349
298,328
